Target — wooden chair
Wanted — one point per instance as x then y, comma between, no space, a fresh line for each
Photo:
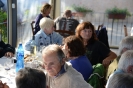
125,31
32,27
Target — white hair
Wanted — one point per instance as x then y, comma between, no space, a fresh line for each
126,60
121,80
54,48
46,23
126,43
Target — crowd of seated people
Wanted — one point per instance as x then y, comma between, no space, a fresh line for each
73,61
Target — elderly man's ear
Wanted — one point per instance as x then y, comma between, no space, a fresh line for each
130,69
63,61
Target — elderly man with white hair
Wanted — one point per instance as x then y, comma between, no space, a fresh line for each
60,74
125,44
125,64
122,80
46,35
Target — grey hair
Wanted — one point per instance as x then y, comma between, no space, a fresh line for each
30,78
126,60
126,43
121,80
56,49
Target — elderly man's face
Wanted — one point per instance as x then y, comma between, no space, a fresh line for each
51,64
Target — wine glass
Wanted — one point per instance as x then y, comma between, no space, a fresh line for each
8,64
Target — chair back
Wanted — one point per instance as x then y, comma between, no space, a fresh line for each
32,27
65,33
66,26
125,31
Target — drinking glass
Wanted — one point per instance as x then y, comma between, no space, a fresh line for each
9,63
7,66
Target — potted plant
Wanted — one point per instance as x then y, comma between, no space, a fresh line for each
117,13
3,25
80,10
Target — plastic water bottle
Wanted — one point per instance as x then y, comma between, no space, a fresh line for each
33,46
20,57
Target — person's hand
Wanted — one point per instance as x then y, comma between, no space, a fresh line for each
3,85
106,62
9,54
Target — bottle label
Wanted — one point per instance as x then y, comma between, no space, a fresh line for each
19,65
33,50
20,55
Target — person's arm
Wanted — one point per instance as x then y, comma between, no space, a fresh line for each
111,56
8,50
9,54
27,45
37,21
58,38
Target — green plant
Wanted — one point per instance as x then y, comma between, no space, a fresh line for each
81,8
3,25
116,10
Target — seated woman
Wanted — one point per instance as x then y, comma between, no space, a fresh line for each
75,52
6,50
96,51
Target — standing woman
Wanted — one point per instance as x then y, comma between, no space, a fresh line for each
45,11
96,51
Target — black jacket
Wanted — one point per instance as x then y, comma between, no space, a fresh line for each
5,48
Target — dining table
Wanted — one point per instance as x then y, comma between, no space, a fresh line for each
7,77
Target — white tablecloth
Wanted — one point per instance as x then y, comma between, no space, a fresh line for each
9,77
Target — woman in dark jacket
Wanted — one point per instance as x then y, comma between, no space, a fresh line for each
6,50
45,10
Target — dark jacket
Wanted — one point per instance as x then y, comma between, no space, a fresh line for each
37,26
5,48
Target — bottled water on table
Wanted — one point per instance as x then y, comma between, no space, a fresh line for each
20,57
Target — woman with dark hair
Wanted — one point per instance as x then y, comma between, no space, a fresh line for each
96,51
45,10
75,53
